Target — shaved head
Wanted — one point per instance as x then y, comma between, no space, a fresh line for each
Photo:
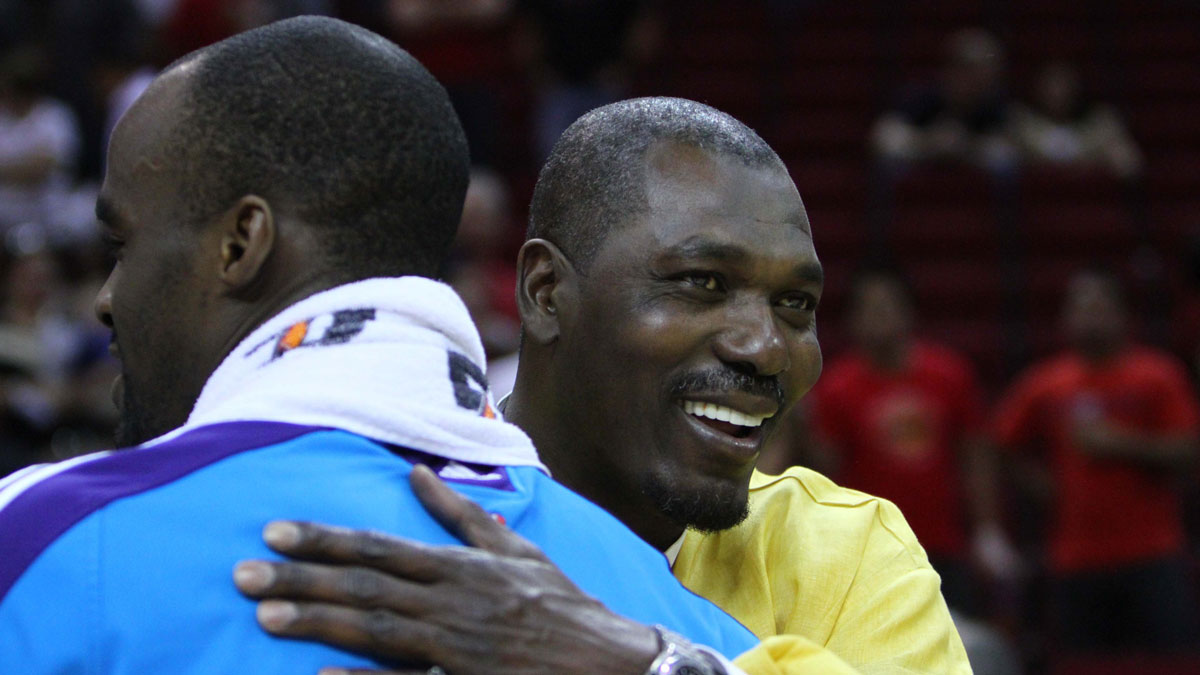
596,176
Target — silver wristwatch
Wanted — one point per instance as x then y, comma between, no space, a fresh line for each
678,656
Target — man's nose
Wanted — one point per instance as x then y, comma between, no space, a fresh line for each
753,341
102,305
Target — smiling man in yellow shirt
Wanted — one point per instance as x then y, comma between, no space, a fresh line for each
668,294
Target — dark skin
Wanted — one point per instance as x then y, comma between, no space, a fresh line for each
219,280
216,281
718,276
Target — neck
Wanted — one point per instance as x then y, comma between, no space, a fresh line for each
1100,352
892,356
583,469
270,303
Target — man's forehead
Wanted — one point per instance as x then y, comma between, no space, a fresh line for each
705,206
139,140
684,179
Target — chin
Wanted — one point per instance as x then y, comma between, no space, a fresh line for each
704,504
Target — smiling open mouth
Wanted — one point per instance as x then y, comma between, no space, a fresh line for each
725,420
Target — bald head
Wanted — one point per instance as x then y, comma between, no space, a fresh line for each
596,176
335,127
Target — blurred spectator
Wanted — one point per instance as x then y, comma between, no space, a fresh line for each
582,54
902,418
39,141
119,77
155,12
34,345
1112,422
55,392
1062,126
965,117
481,266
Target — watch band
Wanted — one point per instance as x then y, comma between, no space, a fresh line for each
678,656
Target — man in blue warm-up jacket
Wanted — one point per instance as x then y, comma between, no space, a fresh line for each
278,205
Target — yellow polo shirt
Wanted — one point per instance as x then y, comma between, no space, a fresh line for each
832,580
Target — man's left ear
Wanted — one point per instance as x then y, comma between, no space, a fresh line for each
247,239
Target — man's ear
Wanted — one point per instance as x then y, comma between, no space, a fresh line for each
547,290
247,240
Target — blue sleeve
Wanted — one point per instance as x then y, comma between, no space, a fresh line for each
49,620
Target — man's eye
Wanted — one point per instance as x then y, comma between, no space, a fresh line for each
708,282
803,303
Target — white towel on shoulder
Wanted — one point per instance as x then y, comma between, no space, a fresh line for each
396,360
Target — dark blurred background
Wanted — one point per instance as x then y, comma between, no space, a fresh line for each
973,156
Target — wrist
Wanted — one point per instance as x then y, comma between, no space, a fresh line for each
678,656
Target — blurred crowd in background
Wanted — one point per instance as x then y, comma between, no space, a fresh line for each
1003,194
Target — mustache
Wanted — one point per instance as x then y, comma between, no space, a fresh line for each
725,379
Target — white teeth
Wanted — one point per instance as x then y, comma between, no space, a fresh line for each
720,412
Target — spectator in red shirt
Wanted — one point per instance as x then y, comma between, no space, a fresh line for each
1112,421
901,417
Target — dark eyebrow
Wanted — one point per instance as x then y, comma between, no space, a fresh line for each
811,272
697,248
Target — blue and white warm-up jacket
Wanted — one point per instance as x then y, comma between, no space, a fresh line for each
123,563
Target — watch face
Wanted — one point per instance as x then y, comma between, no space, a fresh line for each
686,669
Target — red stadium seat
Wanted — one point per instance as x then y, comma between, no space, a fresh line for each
933,185
1172,125
1036,43
840,235
824,132
1163,37
1047,10
1163,79
1142,664
1042,185
838,184
849,86
1172,175
833,44
1080,231
953,232
958,289
951,12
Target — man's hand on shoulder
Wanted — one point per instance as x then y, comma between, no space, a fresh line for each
499,606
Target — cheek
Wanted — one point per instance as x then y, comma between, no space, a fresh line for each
807,363
655,342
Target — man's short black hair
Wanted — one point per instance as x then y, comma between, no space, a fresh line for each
338,127
595,178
